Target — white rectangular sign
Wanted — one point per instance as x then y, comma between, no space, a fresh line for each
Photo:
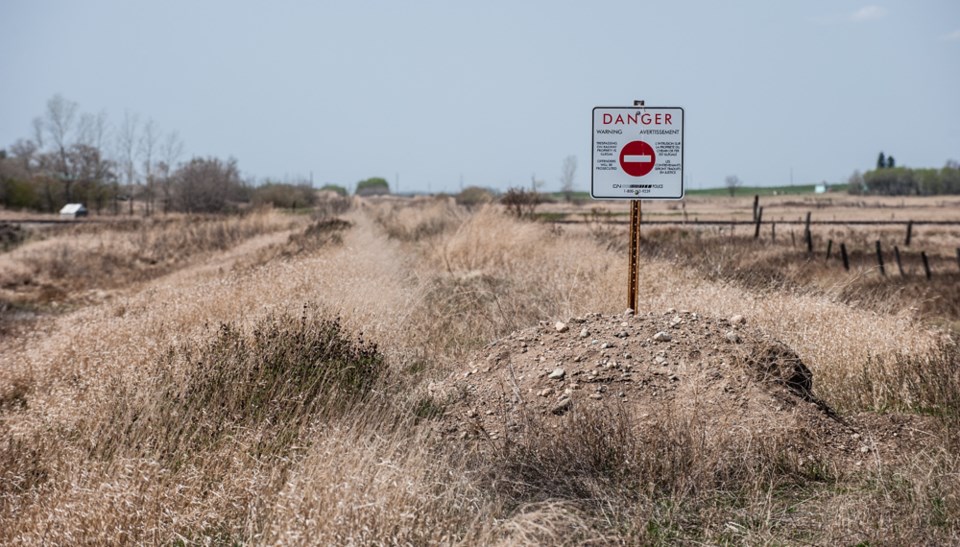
637,153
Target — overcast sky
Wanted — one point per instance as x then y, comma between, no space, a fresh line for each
497,91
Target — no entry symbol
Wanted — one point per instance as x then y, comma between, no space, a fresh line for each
637,158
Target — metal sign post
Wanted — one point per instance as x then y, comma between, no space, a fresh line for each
637,154
634,266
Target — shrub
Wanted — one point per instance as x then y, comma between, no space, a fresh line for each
11,235
331,204
521,202
335,188
474,196
287,196
373,186
18,194
270,383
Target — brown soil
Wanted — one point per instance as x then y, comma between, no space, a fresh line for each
728,379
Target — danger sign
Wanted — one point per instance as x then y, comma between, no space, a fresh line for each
637,153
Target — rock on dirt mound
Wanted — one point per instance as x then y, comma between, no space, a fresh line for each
727,377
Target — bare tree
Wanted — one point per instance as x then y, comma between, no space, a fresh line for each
567,175
127,153
91,173
38,132
58,125
732,182
170,152
93,129
92,134
535,184
25,153
149,140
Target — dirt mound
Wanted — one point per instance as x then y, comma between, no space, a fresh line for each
721,374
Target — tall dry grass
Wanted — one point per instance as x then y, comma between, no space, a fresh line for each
489,275
69,262
204,406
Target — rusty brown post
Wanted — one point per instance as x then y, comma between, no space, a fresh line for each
633,269
883,271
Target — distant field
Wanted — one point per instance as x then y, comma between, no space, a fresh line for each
765,190
789,190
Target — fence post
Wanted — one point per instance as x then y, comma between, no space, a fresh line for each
880,259
926,264
773,237
829,248
906,243
843,255
793,238
808,235
756,206
758,216
896,254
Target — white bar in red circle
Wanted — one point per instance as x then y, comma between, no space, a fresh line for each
637,159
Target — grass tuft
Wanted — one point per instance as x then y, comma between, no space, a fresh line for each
272,383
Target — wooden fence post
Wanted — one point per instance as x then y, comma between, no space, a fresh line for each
829,248
756,206
773,237
843,255
896,254
926,265
906,243
758,216
880,259
808,234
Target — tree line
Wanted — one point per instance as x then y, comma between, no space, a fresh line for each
132,166
889,180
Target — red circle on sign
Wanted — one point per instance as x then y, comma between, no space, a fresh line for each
637,158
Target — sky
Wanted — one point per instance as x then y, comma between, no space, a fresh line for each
435,94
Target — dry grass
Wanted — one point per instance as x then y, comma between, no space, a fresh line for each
66,264
192,407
